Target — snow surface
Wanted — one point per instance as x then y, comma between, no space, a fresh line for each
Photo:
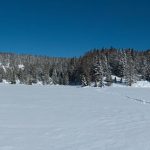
73,118
141,84
21,66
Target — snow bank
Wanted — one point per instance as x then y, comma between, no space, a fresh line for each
144,84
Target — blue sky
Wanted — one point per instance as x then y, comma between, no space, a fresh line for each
72,27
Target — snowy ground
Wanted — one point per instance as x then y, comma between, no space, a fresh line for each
74,118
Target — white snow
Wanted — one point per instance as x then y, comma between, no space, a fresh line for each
4,69
21,66
74,118
5,81
141,84
117,78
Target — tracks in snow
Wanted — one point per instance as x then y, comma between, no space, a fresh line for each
139,100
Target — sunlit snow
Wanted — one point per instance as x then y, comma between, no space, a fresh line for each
74,118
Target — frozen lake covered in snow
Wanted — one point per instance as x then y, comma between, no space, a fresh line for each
74,118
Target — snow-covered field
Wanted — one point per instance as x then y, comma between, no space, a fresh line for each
74,118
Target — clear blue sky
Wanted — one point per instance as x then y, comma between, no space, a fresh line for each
72,27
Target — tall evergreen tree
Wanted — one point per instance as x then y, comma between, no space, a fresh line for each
98,73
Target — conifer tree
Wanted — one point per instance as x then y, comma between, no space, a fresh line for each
98,73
